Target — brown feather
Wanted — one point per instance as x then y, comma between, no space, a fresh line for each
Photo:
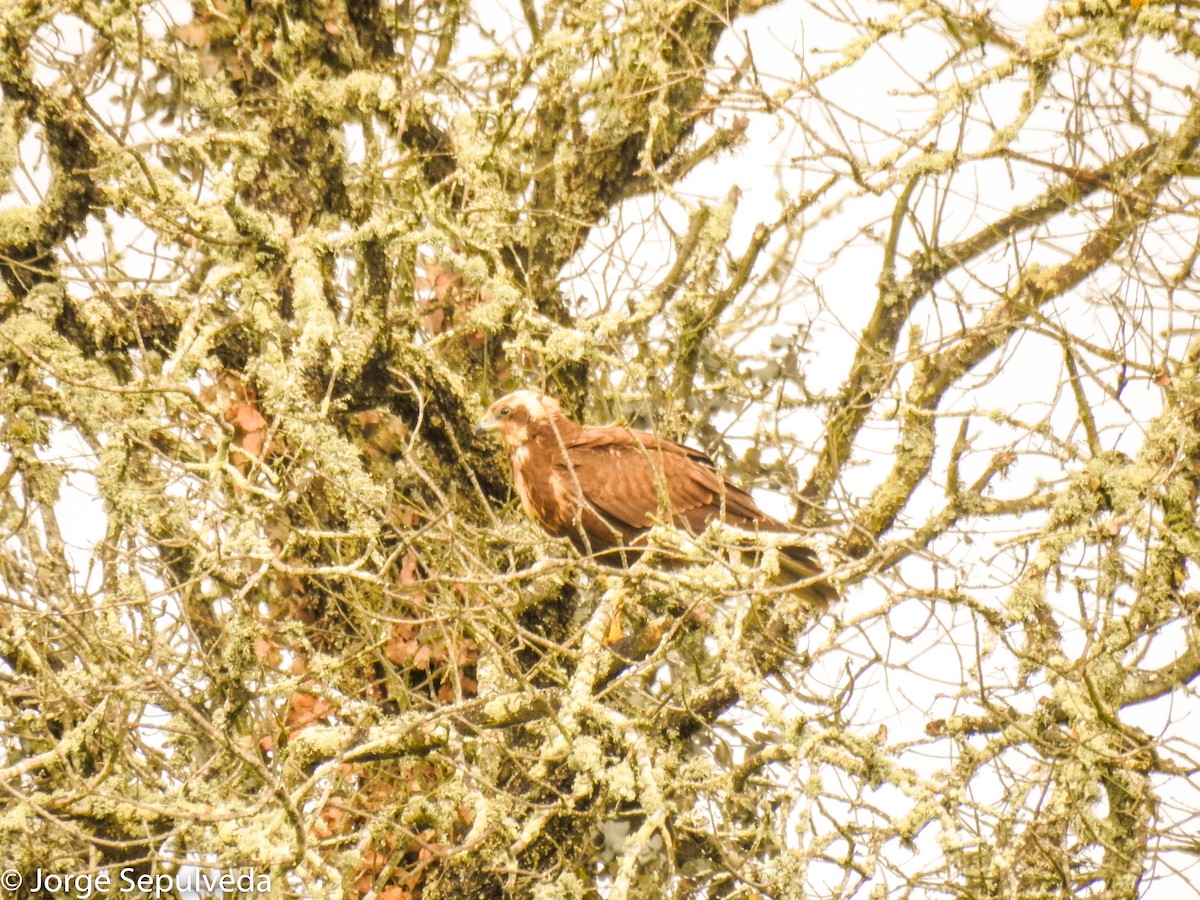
604,487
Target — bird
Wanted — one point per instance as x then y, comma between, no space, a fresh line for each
605,487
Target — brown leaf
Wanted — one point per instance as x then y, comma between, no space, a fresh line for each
435,321
464,652
409,568
421,658
616,629
267,651
384,434
304,709
194,34
467,687
330,823
440,282
248,424
401,652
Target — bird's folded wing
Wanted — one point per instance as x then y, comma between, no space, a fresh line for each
640,479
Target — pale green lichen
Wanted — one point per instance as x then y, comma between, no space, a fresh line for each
622,782
567,886
1042,41
311,310
10,146
930,163
331,98
260,839
20,225
586,755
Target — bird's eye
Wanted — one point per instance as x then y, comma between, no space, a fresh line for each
505,411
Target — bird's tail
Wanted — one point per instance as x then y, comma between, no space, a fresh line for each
798,563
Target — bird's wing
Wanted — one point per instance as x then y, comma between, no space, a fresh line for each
640,479
632,480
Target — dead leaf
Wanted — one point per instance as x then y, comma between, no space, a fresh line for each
194,34
304,709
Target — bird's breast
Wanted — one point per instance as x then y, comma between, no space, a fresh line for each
545,489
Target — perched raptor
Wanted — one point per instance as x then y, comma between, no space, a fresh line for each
605,487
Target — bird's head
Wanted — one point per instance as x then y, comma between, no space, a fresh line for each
514,414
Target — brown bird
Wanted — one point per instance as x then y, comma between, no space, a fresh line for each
605,487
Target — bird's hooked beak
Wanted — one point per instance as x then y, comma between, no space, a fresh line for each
489,423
